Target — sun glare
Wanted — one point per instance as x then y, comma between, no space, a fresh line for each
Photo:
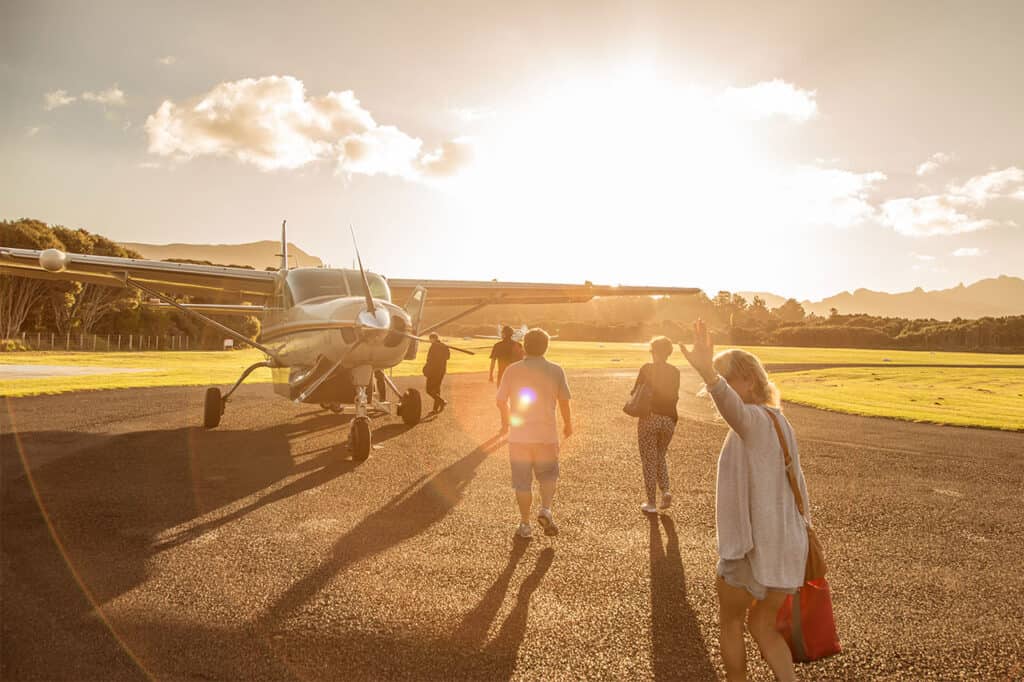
627,151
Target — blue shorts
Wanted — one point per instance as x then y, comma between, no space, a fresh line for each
532,459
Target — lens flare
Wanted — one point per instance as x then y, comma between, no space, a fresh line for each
526,398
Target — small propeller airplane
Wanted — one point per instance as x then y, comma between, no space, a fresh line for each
327,334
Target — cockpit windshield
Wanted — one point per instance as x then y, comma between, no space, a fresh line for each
307,284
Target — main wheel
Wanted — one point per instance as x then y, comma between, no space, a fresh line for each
213,408
360,439
411,408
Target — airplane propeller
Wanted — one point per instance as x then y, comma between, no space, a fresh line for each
420,338
373,317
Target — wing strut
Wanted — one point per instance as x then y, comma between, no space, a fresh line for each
170,301
467,311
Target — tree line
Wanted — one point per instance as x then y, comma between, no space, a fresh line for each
37,306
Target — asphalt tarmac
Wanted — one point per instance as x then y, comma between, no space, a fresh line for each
140,545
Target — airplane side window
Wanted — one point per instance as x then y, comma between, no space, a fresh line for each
379,287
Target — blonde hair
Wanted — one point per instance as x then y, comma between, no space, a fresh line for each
661,346
739,363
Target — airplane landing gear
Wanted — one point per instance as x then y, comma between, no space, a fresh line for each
360,439
213,408
214,403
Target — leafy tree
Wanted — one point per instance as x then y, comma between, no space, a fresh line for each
20,296
790,311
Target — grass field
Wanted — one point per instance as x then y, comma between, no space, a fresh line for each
990,398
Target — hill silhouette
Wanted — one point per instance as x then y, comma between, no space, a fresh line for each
259,255
993,297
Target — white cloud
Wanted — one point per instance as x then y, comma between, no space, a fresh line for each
923,257
830,196
148,164
981,189
932,164
929,216
955,211
56,99
448,159
32,131
168,60
967,252
112,95
771,98
270,122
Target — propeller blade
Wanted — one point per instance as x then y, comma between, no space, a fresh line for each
421,339
366,283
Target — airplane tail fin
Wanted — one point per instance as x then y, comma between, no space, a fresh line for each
284,245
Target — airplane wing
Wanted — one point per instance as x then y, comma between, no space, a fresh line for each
237,284
455,292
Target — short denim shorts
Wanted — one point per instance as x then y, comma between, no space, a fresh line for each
739,573
532,459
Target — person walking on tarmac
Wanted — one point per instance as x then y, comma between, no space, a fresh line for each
504,353
435,369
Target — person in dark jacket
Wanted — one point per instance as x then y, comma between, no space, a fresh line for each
435,369
655,430
504,353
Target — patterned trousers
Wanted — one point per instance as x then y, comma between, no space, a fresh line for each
654,433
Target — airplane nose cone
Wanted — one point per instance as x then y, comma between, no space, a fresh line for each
379,319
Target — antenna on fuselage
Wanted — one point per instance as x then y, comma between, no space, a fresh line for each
284,246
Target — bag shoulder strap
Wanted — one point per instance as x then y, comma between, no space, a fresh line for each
789,463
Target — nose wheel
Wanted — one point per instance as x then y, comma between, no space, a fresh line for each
360,439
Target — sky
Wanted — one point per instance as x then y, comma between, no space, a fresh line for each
797,148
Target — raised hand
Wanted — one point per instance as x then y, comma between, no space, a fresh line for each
703,353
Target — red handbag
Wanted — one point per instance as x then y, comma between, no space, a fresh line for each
805,619
807,624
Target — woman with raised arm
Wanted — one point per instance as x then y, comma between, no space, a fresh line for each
762,537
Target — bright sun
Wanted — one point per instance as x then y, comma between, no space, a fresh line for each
625,151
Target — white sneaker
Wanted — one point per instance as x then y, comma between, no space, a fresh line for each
666,500
547,522
524,531
648,508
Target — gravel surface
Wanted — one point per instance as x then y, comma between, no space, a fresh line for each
143,546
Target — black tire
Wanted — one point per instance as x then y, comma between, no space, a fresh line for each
213,408
360,439
411,407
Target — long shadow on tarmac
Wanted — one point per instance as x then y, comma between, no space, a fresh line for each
677,648
404,516
106,497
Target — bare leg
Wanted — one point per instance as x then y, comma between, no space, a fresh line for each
524,499
547,493
770,641
733,603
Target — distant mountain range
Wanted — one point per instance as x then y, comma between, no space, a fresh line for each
993,297
259,255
